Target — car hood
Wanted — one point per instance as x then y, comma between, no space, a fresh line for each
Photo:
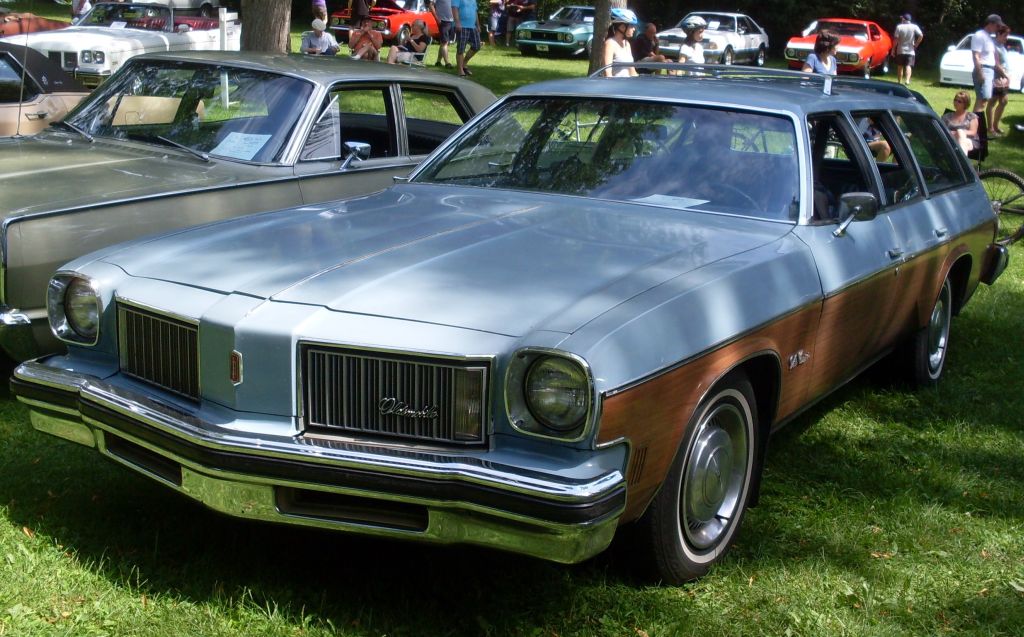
845,43
74,39
54,172
490,260
557,25
676,34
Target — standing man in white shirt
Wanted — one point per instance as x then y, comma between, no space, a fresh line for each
983,49
906,38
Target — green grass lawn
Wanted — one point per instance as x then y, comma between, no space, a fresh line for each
883,512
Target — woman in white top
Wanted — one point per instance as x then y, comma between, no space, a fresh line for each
616,46
691,50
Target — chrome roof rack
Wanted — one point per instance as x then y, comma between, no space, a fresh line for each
826,83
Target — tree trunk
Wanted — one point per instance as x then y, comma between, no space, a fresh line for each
602,16
265,26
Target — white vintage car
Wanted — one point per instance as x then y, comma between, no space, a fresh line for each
957,65
729,38
113,32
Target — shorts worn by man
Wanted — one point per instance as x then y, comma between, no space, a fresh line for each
983,50
518,11
906,38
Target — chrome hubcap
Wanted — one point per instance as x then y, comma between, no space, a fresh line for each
715,475
938,331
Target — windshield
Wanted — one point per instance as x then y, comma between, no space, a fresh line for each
666,155
844,29
220,110
127,16
716,21
574,14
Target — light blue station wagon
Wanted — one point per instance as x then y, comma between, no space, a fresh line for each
590,307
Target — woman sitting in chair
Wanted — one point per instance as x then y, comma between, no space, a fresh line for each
413,48
963,124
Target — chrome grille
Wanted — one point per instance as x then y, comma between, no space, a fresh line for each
546,36
434,399
159,349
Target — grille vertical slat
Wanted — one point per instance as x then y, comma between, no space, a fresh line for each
394,395
159,350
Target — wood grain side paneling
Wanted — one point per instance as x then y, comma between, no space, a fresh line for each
654,413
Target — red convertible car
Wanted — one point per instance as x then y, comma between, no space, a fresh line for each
864,47
392,19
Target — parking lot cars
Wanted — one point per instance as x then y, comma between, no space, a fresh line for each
728,38
957,64
569,31
33,91
175,140
864,46
591,306
113,32
393,19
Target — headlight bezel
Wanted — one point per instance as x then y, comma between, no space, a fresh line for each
523,419
85,57
57,308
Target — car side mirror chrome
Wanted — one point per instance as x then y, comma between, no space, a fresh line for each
855,206
356,150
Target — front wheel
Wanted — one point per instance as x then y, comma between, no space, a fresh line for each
728,57
867,69
1006,191
694,517
207,10
762,56
403,34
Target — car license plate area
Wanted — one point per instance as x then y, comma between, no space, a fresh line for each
542,47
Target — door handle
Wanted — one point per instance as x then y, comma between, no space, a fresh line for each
895,253
941,232
35,116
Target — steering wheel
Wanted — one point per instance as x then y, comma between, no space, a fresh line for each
736,195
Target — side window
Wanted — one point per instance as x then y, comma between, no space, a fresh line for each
933,149
430,118
875,34
363,116
899,179
324,141
836,168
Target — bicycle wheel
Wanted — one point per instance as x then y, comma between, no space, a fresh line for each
1006,190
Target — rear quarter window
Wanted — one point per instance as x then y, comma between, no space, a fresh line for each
931,146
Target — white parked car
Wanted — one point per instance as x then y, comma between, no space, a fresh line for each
957,65
113,32
729,38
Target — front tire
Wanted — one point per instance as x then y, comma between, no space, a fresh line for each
403,34
728,56
885,66
693,519
867,69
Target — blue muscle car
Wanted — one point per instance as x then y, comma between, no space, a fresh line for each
569,31
591,306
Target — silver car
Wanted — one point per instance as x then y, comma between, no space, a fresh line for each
175,140
590,307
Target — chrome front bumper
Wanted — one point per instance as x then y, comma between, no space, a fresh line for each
404,493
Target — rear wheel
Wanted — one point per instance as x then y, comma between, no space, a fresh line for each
207,10
1006,191
927,348
693,519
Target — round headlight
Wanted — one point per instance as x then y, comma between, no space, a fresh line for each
567,37
82,308
557,393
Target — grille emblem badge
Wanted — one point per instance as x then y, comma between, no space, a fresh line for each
391,405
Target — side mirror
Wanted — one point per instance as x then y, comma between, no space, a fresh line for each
855,206
356,150
951,47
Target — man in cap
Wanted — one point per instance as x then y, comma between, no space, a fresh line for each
318,41
906,39
983,50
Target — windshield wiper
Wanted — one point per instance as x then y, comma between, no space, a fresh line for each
196,153
73,128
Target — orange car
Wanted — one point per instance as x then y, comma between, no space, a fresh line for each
392,21
864,47
15,23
